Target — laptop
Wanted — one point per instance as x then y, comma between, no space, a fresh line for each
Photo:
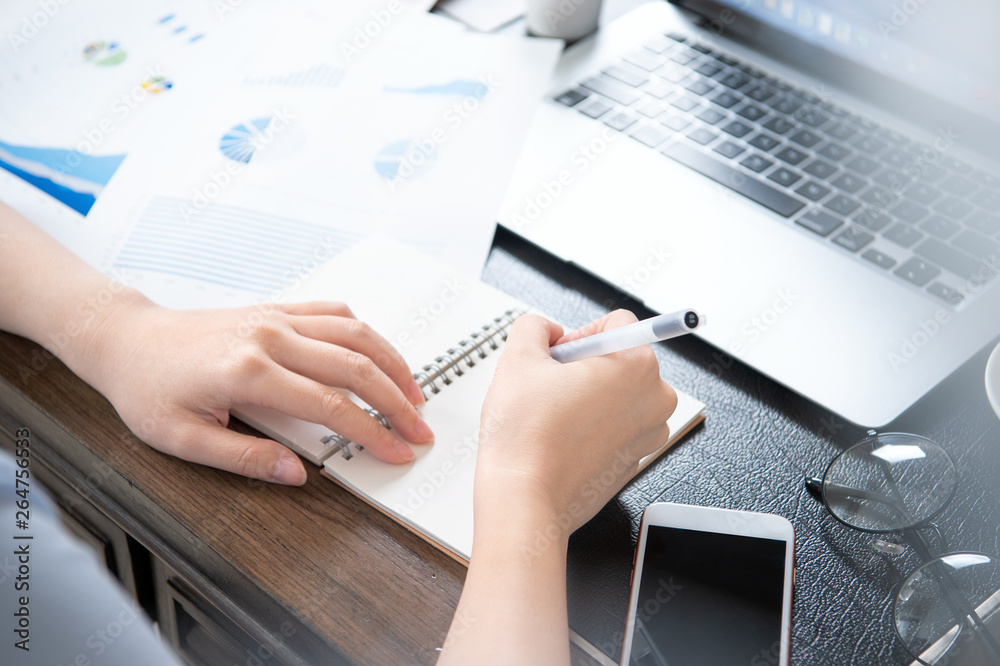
819,178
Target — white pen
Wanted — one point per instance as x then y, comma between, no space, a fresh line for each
654,329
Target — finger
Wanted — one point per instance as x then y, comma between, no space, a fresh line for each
311,401
312,308
211,444
532,336
335,366
609,321
357,336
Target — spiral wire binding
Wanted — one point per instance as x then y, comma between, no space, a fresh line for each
475,347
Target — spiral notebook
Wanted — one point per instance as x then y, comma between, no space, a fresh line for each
451,330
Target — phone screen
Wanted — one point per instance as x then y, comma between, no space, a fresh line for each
708,598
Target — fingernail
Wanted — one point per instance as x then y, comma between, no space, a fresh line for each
404,452
415,394
289,470
424,432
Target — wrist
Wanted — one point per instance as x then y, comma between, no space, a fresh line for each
95,346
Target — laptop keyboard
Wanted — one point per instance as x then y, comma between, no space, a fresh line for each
900,206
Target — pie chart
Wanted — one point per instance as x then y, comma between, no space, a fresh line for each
242,141
104,54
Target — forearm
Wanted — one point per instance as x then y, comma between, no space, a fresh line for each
49,295
513,605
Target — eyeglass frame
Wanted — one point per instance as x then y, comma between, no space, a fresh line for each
816,486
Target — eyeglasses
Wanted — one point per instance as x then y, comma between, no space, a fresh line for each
896,482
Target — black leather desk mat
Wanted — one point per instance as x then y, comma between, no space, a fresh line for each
752,452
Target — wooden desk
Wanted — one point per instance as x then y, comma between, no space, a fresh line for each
237,570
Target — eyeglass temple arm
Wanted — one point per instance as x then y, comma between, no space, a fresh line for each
958,603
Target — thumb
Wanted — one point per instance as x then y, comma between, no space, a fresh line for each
254,457
532,335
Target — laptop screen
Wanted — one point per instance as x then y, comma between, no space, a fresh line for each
947,48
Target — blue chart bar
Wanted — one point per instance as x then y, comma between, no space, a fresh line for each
227,245
317,76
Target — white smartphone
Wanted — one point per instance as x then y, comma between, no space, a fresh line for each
710,586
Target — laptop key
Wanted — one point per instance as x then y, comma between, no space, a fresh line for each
764,142
869,145
737,129
673,72
644,60
909,211
722,173
675,122
806,138
945,293
791,155
988,199
819,222
726,60
810,117
951,259
759,93
984,222
849,182
726,100
923,193
902,235
683,56
751,112
595,108
702,136
626,76
841,131
812,190
878,258
685,103
897,158
879,196
917,271
649,135
710,116
784,177
959,186
940,226
853,239
571,97
842,205
611,89
659,88
953,208
892,179
863,165
785,105
658,45
834,151
756,163
620,121
649,108
778,125
699,87
734,80
986,179
702,48
708,68
977,245
873,219
820,169
728,149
